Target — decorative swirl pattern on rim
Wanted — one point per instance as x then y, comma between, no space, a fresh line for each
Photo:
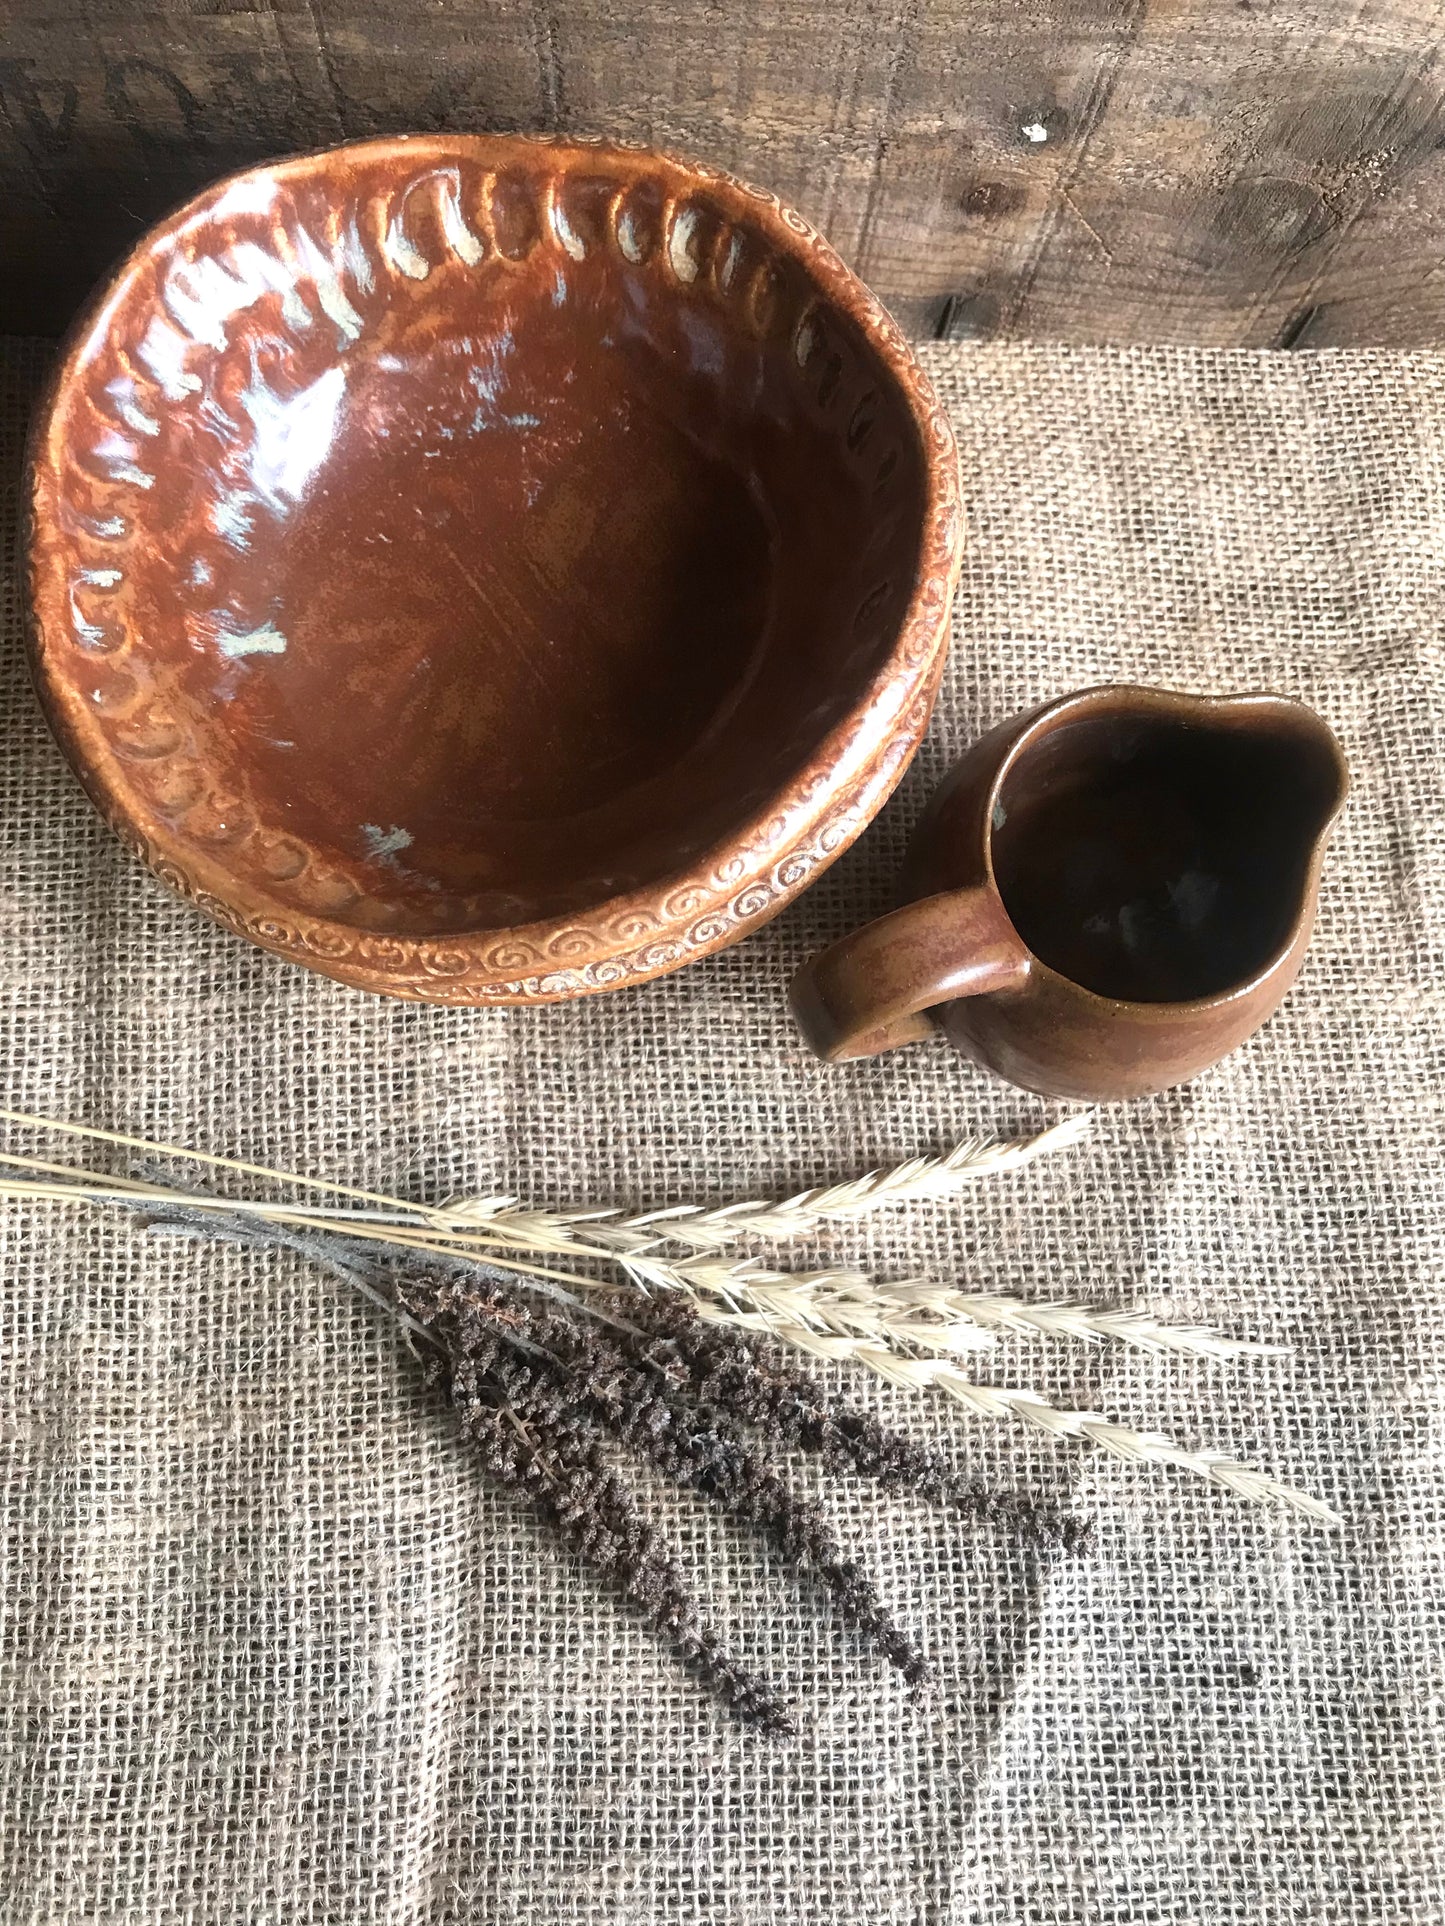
446,198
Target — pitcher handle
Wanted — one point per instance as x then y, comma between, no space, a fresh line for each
870,991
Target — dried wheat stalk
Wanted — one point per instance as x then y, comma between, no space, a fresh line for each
1088,1322
917,1180
753,1298
833,1315
996,1401
917,1312
839,1318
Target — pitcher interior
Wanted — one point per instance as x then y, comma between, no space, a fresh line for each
1163,859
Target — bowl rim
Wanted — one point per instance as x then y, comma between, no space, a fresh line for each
726,890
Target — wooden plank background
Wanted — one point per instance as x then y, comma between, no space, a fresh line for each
1226,171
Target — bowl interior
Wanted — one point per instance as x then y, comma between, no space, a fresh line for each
494,540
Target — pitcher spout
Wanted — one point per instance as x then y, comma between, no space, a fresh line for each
1282,782
1302,777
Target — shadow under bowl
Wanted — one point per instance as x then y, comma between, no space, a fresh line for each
484,569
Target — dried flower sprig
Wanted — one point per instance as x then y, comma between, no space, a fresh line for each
701,1407
759,1386
569,1480
568,1377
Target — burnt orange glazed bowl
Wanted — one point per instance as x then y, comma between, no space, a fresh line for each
489,570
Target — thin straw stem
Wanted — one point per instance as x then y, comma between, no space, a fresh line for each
98,1135
110,1191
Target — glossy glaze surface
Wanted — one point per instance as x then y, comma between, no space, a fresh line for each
489,569
1104,897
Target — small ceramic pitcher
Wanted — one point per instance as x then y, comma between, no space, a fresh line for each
1105,896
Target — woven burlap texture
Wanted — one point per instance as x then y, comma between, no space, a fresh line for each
273,1650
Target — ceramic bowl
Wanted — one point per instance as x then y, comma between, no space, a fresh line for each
485,569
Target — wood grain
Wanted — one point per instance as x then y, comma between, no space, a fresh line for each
1211,171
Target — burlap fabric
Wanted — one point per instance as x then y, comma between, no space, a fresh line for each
272,1650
